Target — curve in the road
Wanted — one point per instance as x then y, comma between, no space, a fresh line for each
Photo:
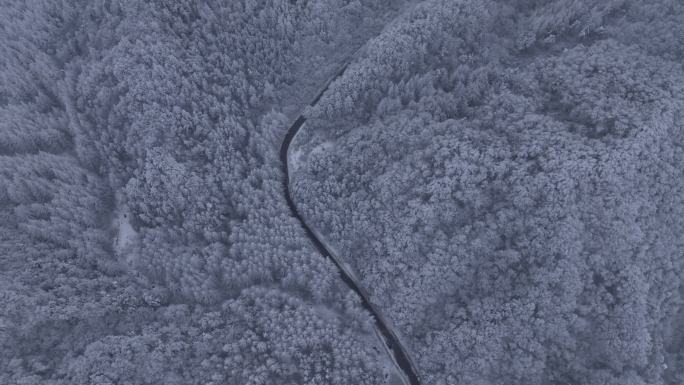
388,337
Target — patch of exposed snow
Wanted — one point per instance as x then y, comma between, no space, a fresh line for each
125,234
322,147
297,158
295,161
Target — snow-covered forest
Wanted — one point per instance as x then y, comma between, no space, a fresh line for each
163,119
507,179
497,185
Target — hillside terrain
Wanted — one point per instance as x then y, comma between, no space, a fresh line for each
344,192
506,180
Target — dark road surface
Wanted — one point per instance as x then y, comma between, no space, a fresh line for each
392,343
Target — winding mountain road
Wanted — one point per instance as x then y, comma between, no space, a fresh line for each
385,333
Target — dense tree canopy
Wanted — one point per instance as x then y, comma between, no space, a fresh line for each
506,178
144,234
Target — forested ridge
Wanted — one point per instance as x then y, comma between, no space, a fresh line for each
506,180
